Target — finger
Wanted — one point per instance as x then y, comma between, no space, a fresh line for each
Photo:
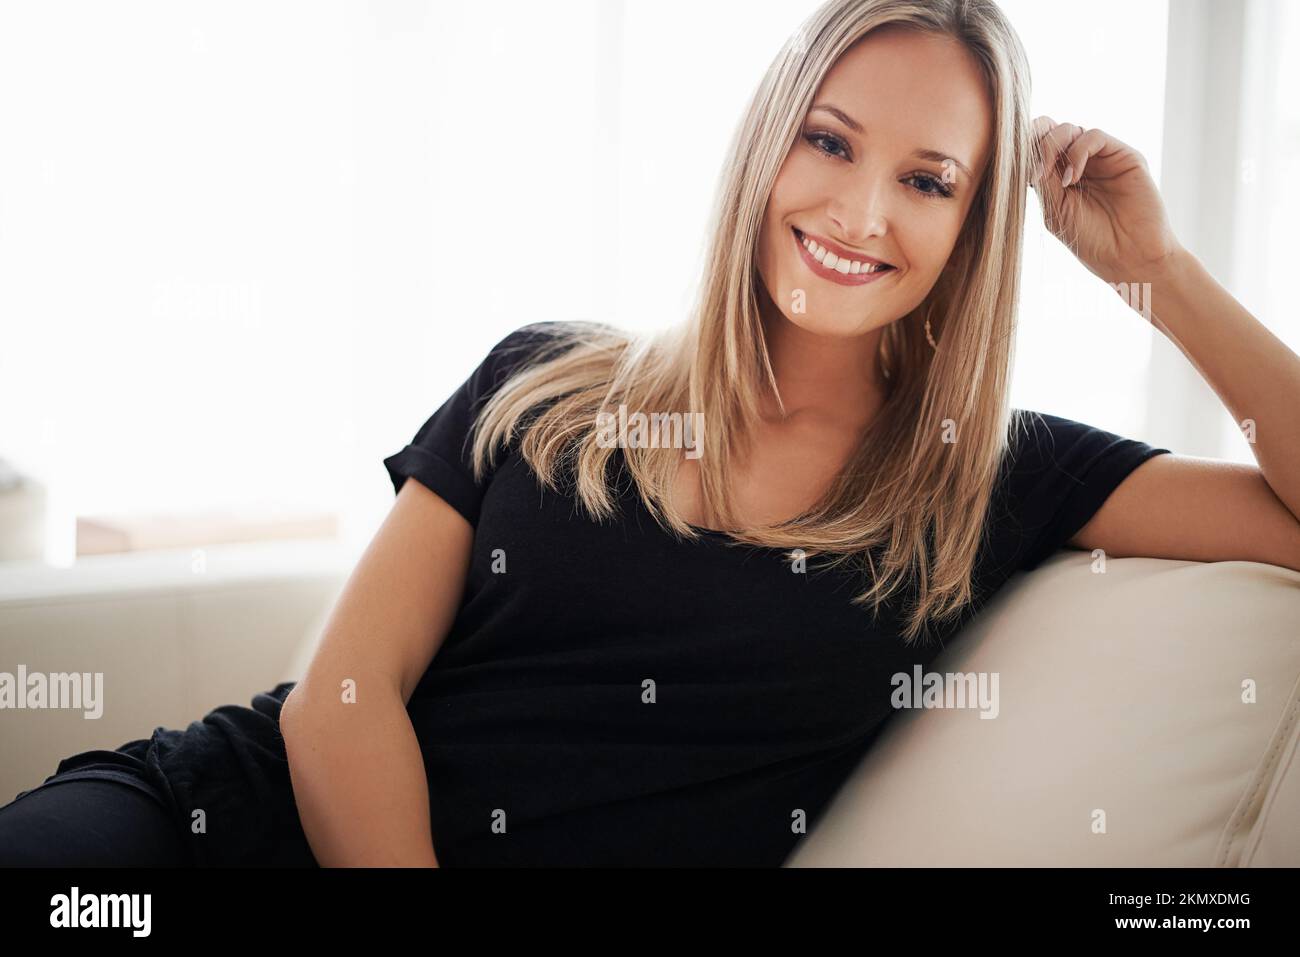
1076,156
1037,130
1059,140
1041,125
1048,143
1051,148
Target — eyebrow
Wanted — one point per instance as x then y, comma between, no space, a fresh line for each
937,156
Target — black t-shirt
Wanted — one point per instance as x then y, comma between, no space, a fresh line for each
609,694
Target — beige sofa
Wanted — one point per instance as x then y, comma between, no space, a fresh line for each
1126,732
173,638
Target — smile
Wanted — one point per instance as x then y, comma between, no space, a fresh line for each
846,272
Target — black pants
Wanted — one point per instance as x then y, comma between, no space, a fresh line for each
89,822
137,805
134,806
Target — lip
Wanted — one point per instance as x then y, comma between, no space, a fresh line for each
834,275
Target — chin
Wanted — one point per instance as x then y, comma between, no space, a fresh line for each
820,324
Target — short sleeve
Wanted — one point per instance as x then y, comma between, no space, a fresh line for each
1060,473
439,455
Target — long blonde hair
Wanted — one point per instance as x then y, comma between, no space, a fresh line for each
910,507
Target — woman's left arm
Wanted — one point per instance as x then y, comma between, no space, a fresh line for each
1100,200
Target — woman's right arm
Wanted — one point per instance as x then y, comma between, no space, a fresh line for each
357,771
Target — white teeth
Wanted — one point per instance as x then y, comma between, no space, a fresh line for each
831,261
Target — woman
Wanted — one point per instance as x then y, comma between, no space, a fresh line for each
576,644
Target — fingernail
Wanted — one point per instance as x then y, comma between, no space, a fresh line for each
1065,180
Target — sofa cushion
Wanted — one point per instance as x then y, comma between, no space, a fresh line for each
1125,732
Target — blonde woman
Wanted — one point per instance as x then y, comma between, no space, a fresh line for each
579,642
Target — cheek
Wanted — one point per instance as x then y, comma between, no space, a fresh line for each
802,184
795,189
927,242
771,251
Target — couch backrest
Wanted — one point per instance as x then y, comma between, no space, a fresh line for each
1148,715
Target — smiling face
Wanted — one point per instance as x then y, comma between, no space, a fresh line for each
884,170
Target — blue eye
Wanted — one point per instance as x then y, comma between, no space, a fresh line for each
814,137
939,190
942,189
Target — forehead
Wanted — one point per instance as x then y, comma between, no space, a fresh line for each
912,90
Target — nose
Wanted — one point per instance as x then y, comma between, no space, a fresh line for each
859,211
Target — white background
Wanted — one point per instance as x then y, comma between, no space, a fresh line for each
246,249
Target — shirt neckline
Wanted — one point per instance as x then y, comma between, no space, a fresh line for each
712,535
